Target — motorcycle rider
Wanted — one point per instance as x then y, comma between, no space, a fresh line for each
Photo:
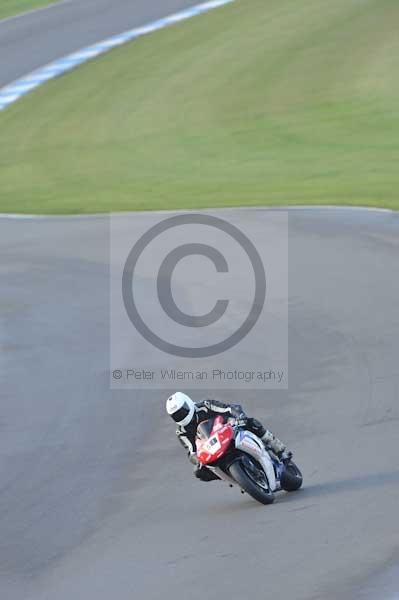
188,415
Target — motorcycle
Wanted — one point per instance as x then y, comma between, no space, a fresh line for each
239,457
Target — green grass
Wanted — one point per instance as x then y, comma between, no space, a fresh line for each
9,8
260,102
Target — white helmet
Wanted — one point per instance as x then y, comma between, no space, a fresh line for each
181,408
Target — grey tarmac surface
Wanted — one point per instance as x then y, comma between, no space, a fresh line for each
35,39
97,499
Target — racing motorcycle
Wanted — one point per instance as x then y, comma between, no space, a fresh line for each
239,457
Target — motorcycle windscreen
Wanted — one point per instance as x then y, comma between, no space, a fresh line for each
204,429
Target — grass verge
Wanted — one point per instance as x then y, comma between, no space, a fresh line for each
260,102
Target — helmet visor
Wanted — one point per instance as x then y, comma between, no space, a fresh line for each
181,414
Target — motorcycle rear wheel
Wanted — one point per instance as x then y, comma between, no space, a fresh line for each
246,482
291,479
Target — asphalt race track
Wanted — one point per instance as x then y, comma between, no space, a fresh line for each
33,40
97,500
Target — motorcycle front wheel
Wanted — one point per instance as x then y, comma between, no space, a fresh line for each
246,480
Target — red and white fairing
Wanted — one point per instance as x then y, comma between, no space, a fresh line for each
211,449
215,443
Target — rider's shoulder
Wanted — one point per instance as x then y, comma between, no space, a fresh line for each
210,402
207,403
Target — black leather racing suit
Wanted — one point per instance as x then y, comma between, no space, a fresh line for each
212,408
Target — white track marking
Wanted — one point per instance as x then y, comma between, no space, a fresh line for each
291,208
22,86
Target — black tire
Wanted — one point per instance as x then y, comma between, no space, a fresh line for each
291,479
239,474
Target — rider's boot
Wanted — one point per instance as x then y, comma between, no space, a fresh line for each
276,445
